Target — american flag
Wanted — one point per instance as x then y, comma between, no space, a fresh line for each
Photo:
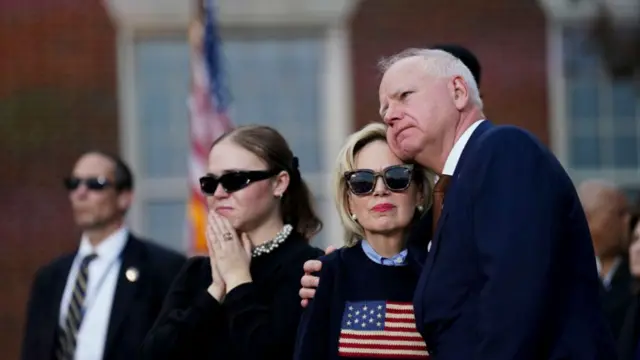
208,108
380,329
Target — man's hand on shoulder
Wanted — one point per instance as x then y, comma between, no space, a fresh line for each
310,282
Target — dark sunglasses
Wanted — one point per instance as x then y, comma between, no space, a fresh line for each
396,178
233,181
93,183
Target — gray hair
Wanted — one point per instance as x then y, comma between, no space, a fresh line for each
438,63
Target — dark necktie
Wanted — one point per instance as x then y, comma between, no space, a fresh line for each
75,313
438,200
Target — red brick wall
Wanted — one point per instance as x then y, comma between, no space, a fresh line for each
57,98
508,36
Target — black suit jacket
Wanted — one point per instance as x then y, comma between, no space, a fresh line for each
630,331
511,272
618,297
135,304
257,320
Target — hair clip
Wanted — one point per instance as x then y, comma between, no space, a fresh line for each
295,163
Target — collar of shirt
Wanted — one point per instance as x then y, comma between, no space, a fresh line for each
108,250
99,299
606,279
458,147
399,259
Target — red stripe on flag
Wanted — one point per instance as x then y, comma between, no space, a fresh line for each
397,339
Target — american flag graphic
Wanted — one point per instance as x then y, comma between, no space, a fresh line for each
380,329
208,108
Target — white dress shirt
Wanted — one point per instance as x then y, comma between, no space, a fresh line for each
454,156
101,287
606,279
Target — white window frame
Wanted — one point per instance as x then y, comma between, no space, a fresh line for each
156,17
561,13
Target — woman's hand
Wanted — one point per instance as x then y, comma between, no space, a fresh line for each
232,254
217,289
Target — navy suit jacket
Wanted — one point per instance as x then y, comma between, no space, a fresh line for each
511,272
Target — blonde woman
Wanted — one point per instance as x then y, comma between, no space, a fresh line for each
363,305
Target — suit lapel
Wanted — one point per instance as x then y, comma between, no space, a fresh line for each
435,243
469,148
126,288
60,281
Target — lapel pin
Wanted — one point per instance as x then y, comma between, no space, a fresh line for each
132,274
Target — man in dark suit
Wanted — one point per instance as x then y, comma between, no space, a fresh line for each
310,282
99,302
608,216
511,271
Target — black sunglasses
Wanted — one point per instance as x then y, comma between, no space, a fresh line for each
396,178
233,181
92,183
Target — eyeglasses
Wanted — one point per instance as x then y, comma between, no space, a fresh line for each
92,183
396,178
233,181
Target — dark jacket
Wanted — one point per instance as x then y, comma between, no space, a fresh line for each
135,304
256,320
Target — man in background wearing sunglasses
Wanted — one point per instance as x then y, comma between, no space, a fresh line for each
99,302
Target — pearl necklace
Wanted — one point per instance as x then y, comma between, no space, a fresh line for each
272,244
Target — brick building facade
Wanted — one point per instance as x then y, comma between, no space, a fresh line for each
77,75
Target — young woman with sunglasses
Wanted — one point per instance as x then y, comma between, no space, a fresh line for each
241,302
363,304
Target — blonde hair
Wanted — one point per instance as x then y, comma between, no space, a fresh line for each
346,162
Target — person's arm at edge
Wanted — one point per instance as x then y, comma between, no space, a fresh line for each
311,278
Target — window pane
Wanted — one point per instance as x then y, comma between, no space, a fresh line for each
625,152
624,98
166,223
580,61
276,82
584,109
162,71
273,81
602,113
585,152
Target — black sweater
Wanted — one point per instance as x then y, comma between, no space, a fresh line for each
257,320
361,309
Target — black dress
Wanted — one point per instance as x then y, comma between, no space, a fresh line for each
257,320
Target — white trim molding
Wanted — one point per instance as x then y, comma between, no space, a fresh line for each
148,17
556,86
172,13
338,115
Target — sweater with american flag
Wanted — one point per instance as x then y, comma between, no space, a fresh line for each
361,310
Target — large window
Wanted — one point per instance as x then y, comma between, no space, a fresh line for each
274,79
597,118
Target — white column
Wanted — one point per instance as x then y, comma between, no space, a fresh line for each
338,113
